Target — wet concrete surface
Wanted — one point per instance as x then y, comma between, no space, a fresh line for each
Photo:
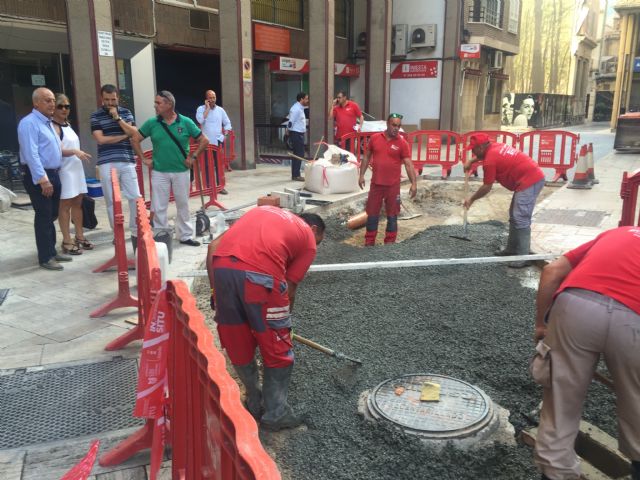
471,322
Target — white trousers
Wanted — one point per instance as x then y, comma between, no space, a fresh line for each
128,179
162,183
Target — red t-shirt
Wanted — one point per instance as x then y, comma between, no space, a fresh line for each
510,168
609,265
346,117
271,240
387,158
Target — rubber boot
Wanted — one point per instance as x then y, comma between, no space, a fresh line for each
510,249
635,470
392,230
523,242
277,412
134,243
249,376
372,231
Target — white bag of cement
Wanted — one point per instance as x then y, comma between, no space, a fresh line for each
336,172
6,198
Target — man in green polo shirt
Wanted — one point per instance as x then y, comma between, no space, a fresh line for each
169,133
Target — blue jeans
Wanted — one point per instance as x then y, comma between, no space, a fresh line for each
297,141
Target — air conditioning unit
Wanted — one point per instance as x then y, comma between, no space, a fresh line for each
423,36
497,59
399,40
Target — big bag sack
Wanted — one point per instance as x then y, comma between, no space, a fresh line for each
89,220
540,365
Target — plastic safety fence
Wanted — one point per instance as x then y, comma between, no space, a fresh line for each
555,149
124,297
149,278
629,195
497,136
229,149
357,143
435,147
211,165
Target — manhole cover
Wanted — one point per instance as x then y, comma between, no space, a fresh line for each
580,218
461,411
69,402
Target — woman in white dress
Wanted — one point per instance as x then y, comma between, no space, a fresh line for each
72,179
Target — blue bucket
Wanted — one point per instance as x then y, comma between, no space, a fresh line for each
94,188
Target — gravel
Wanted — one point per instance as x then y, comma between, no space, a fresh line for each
471,322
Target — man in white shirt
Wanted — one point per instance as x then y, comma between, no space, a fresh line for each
213,121
297,127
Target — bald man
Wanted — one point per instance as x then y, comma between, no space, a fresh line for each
213,121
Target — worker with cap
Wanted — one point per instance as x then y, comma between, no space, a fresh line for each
588,304
516,172
254,269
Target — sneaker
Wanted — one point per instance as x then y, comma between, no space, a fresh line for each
298,179
224,192
191,242
51,265
63,258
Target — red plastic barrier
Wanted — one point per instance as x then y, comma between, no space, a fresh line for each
497,136
124,298
83,469
210,432
359,143
435,147
555,149
629,195
149,279
229,149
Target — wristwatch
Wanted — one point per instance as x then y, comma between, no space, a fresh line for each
118,119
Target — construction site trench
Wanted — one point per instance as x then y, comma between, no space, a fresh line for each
470,322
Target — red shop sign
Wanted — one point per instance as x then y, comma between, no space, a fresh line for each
346,70
422,69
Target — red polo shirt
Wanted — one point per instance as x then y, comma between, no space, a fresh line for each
387,157
610,265
346,117
272,241
510,167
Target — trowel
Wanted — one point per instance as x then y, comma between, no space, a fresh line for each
465,223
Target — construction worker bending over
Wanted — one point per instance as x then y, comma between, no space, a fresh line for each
254,269
386,153
516,172
589,303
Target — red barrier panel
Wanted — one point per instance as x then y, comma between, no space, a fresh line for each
124,298
629,195
555,149
83,469
149,279
229,149
358,143
496,136
435,147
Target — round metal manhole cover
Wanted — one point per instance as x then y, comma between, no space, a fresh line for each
461,410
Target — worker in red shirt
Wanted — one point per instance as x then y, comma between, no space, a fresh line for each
254,270
348,118
516,172
588,304
387,152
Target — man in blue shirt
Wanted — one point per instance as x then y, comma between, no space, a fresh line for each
213,121
297,127
41,158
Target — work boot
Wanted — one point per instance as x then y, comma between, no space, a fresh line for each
635,470
277,412
510,249
249,376
523,242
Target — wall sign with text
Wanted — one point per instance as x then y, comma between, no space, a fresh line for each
421,69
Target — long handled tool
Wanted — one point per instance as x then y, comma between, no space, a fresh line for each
328,351
465,224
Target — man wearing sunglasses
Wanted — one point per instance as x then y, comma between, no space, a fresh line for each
387,152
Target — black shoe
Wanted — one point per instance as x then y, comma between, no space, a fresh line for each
298,179
51,264
62,258
224,192
191,242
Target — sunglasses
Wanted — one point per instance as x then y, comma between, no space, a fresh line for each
396,115
65,107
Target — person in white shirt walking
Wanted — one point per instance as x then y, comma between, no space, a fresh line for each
297,127
213,121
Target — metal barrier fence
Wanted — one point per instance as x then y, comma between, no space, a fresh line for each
629,195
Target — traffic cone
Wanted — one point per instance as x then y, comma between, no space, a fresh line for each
580,177
591,174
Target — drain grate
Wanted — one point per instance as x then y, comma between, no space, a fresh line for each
69,402
580,218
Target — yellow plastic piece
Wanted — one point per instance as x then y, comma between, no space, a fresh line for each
430,392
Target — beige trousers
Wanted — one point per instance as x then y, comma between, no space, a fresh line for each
582,325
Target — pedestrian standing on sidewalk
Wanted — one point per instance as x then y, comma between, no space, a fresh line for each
214,122
170,133
256,267
41,158
516,172
74,186
111,126
347,116
387,152
296,128
588,304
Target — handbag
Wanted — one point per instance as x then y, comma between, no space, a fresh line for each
89,220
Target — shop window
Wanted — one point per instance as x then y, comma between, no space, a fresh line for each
287,13
341,18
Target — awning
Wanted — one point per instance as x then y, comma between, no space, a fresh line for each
301,65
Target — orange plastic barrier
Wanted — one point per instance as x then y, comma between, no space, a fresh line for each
199,414
629,195
359,143
229,149
83,469
435,147
124,298
497,136
555,149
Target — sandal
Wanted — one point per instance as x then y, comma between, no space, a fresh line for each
84,243
71,248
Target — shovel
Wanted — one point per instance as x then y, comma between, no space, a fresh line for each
323,349
407,215
465,224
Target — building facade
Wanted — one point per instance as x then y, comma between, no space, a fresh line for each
627,88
